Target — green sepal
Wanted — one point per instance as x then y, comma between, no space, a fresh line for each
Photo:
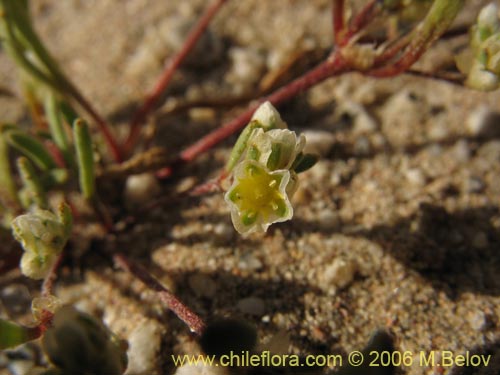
303,162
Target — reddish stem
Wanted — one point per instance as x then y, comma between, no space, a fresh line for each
193,321
410,56
392,50
362,19
333,65
56,153
151,99
48,282
338,20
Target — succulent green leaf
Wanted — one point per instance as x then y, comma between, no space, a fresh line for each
56,125
12,335
7,187
30,147
68,112
85,158
33,191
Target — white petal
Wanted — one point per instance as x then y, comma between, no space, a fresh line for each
269,117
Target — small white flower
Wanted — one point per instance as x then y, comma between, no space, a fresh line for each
277,148
258,197
264,164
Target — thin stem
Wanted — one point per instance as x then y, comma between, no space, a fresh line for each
362,19
436,22
338,20
48,282
332,66
193,321
392,50
151,99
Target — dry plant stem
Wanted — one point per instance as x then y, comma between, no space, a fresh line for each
193,321
338,20
48,282
334,65
154,95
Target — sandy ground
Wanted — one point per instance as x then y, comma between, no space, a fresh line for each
396,227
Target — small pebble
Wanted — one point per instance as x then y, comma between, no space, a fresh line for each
340,273
480,321
483,122
415,176
438,131
252,306
328,219
202,285
318,142
249,262
144,344
141,188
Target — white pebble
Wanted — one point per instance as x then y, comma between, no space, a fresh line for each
339,273
318,142
144,345
415,176
482,122
140,188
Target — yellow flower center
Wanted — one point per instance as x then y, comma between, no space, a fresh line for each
257,193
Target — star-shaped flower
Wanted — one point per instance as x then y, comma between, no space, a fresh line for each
258,197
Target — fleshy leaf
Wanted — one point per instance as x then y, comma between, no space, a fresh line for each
12,335
85,158
30,147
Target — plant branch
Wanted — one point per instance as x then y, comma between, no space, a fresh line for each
332,66
435,23
338,20
193,321
362,19
152,98
48,282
